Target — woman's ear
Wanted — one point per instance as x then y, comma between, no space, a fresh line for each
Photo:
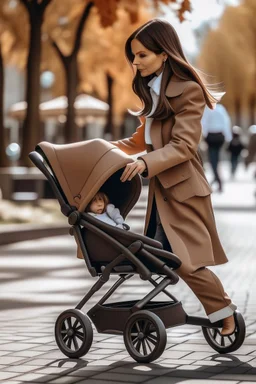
165,56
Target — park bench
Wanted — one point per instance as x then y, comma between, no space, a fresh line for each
22,183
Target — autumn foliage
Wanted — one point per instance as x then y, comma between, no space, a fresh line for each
41,35
229,54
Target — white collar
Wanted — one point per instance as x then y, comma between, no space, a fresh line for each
155,83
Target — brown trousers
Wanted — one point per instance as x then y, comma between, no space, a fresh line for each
203,282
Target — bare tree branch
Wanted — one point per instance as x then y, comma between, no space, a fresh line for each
26,4
80,27
44,4
62,57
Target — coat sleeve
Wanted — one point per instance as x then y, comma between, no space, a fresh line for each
185,135
134,144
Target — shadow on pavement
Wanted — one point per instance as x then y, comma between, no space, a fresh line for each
227,367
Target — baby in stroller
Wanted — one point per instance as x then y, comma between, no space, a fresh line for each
76,173
101,208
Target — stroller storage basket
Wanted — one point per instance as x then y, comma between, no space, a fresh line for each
111,318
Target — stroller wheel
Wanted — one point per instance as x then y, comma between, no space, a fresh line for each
73,333
226,344
145,336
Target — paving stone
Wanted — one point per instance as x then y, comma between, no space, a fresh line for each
118,357
241,369
29,353
92,381
253,363
187,367
98,363
115,347
175,354
13,382
13,338
164,364
164,380
246,382
30,377
214,369
38,362
65,380
108,376
207,363
237,377
86,373
21,368
114,340
43,340
52,370
16,346
11,359
237,360
107,351
91,357
191,347
56,354
206,381
45,348
245,349
245,358
149,370
7,375
198,355
178,362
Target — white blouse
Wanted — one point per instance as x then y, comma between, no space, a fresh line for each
155,85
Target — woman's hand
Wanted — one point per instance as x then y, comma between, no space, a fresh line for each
132,169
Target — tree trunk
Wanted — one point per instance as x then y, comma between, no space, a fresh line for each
31,126
3,158
108,129
238,111
252,108
71,71
71,128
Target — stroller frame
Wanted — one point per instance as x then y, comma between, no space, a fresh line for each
142,322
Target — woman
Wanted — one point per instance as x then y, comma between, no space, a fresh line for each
179,211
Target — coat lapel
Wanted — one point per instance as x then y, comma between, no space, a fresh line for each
174,88
156,134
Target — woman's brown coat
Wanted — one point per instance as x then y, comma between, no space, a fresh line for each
177,179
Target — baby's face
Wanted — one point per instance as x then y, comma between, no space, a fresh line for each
97,205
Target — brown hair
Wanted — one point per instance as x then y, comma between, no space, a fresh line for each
103,196
159,36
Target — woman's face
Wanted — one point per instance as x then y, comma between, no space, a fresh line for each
146,61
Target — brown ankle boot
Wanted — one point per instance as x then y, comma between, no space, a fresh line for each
229,326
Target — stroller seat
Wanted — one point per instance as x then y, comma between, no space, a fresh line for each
76,173
102,252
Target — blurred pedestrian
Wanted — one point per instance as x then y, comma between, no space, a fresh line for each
251,146
235,148
251,155
216,126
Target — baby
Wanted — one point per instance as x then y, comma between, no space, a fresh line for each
100,208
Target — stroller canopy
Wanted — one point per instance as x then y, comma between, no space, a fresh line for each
84,168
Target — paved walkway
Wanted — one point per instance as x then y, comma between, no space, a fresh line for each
39,279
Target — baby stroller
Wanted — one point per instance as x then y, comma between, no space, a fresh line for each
76,172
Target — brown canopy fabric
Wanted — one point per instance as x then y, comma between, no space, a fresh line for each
84,168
